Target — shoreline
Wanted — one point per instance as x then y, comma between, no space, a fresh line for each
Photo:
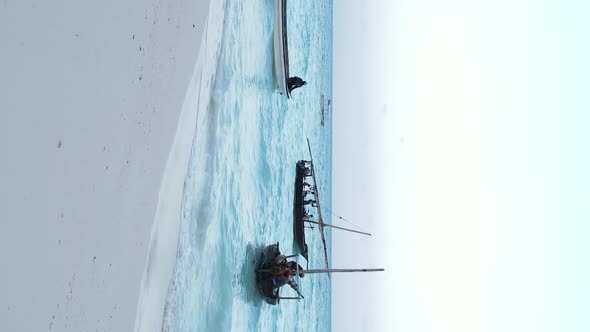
163,247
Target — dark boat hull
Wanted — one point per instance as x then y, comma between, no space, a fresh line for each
299,210
266,282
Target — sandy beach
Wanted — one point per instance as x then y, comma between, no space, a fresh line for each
95,143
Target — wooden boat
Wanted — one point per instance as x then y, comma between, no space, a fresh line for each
306,169
281,51
268,282
299,209
270,277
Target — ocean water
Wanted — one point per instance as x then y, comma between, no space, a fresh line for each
238,193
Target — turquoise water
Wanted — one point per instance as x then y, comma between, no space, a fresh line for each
238,192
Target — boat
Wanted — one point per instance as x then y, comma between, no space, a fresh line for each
281,51
323,110
267,280
306,169
299,209
271,274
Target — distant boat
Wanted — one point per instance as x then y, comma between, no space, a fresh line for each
324,109
281,51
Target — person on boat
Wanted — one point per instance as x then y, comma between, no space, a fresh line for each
279,279
310,201
280,260
295,267
308,192
295,82
292,282
282,265
284,273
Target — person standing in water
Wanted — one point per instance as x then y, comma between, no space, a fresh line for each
295,82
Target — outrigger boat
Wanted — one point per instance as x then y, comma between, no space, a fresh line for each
269,282
299,209
306,169
281,51
271,274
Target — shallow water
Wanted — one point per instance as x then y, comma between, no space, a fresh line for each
238,192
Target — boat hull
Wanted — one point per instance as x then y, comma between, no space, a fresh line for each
281,51
265,280
299,210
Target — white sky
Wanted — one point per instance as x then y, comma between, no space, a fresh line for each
461,141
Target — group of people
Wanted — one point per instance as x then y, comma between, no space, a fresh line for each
308,189
284,272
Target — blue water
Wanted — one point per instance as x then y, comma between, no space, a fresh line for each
238,192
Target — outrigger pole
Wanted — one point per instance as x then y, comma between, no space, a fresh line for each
339,270
334,226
